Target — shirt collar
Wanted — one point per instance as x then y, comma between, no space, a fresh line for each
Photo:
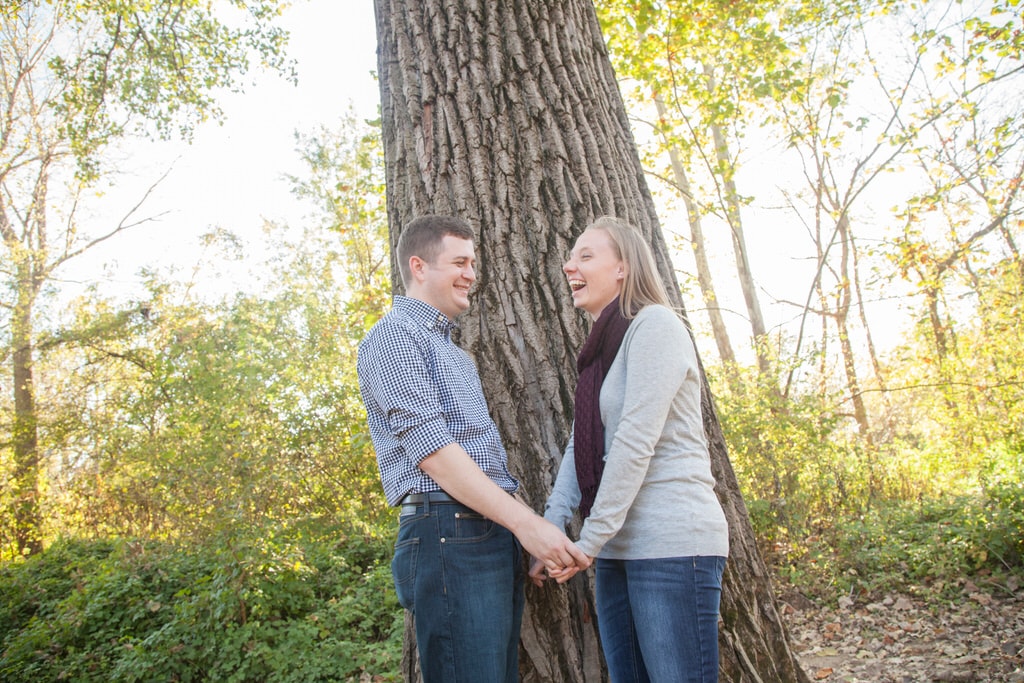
424,313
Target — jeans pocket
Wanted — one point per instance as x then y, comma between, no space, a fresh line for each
471,527
403,571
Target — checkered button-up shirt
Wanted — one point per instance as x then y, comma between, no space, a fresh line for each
421,393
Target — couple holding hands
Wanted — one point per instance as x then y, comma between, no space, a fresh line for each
636,468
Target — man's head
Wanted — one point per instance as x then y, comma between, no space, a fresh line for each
436,258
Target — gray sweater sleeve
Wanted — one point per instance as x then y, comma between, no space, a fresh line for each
565,496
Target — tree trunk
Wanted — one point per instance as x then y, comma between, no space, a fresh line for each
24,263
700,254
507,113
25,430
876,364
844,301
739,242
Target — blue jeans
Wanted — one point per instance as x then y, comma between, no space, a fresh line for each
461,575
658,618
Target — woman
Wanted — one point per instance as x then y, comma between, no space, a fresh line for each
637,468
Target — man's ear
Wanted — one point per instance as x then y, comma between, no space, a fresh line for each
416,268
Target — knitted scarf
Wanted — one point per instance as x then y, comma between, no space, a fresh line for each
595,358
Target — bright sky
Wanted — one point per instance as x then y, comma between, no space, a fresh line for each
231,176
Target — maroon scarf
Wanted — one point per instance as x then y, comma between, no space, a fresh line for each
595,358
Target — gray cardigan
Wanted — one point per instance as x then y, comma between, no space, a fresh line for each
656,497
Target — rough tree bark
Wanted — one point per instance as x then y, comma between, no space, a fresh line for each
507,113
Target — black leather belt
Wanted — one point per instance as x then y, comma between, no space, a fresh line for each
411,501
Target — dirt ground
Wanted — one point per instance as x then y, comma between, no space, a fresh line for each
901,639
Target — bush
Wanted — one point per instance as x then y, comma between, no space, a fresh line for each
240,610
922,504
925,547
33,587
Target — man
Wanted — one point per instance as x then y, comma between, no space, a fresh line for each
458,563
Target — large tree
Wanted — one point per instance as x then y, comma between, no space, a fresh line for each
508,113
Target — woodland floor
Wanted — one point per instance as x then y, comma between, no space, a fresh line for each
977,636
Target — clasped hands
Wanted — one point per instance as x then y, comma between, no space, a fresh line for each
541,570
554,555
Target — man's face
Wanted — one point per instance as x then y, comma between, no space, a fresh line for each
445,283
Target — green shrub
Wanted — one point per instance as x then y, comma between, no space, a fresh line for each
934,544
998,529
32,587
252,609
922,504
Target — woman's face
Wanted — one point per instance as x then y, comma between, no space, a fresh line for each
595,272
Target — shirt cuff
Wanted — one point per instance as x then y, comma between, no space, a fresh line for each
426,439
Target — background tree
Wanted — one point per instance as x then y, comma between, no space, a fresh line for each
76,78
703,70
967,145
188,416
943,130
215,492
876,104
508,113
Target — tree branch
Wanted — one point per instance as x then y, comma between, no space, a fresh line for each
121,226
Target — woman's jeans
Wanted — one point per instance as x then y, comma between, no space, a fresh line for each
461,575
659,618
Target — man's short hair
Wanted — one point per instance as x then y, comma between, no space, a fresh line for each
422,237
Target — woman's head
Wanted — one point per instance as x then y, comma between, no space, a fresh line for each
612,259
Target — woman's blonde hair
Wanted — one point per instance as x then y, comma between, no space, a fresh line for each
642,285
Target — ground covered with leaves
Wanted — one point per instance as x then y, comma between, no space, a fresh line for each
971,634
